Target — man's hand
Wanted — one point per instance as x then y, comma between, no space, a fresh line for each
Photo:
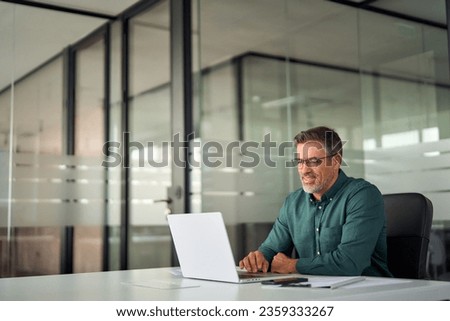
254,262
283,264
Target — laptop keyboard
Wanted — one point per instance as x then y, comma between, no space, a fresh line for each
246,275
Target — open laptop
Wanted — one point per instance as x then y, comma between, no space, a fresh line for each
204,251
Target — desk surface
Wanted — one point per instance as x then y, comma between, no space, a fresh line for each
165,284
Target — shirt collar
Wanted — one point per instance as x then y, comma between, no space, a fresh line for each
340,181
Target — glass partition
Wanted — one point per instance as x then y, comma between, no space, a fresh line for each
406,115
283,72
6,103
263,71
382,82
36,189
36,239
89,137
149,137
114,179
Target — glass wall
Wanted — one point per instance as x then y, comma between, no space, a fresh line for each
61,206
150,137
292,65
263,71
36,139
406,117
6,37
114,178
380,81
89,137
37,191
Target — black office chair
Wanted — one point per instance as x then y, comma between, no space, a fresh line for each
408,222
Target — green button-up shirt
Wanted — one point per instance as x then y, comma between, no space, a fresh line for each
342,234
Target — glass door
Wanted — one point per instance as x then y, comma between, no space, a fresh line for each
149,137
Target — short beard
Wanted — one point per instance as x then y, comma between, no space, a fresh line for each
313,189
316,188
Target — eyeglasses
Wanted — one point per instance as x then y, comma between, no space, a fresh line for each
310,162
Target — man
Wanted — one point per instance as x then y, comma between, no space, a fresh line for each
335,223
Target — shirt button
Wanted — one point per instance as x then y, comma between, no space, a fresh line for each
331,198
317,229
320,207
318,252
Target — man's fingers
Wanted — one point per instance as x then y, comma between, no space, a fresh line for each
281,263
259,262
249,262
252,262
245,263
263,265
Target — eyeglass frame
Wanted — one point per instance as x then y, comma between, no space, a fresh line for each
317,161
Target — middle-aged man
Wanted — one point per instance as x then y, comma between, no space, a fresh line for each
335,223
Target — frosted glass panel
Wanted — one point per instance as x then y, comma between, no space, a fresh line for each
31,245
242,182
57,190
421,168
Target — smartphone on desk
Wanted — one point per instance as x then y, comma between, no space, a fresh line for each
284,281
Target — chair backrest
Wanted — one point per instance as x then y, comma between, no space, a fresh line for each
408,223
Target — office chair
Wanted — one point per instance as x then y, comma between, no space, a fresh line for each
408,223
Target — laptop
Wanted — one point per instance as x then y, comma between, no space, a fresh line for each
204,251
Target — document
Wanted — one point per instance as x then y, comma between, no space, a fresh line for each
330,282
162,285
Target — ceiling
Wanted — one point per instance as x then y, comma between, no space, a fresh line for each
107,7
322,31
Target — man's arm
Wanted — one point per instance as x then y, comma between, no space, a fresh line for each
278,240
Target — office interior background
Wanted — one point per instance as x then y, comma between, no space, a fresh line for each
78,74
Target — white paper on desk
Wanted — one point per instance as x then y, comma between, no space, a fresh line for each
333,281
377,281
162,285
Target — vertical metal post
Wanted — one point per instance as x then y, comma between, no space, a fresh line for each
67,233
443,95
239,85
181,102
106,108
125,207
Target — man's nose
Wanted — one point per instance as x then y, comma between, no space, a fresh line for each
302,168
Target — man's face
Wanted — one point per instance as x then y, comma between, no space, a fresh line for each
316,179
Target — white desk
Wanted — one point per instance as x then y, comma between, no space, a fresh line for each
143,285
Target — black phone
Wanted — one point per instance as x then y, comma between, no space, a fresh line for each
292,280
